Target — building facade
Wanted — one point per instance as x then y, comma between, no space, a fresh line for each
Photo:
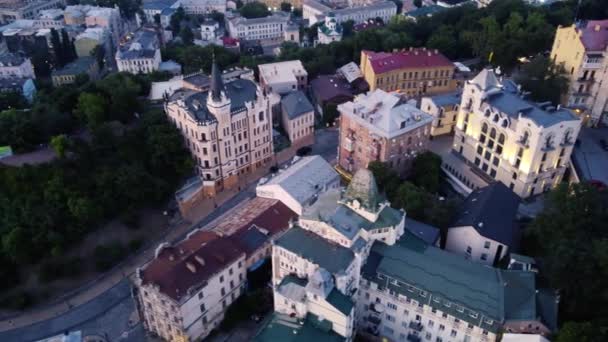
379,127
14,65
139,52
228,129
316,11
272,29
81,66
300,184
185,290
330,30
11,10
203,6
582,50
444,110
283,77
485,229
298,118
524,145
414,72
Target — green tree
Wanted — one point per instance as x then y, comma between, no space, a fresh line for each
99,52
418,3
544,80
285,7
347,28
426,171
12,100
574,235
92,108
254,10
582,332
186,35
60,144
176,20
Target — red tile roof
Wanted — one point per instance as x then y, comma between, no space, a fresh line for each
190,263
595,35
169,269
382,62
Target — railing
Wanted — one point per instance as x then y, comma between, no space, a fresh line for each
592,65
416,326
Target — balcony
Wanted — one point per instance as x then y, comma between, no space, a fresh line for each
592,65
586,80
525,143
417,326
547,148
373,320
377,307
413,338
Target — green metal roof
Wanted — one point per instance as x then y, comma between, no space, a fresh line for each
363,188
340,301
287,329
474,293
331,256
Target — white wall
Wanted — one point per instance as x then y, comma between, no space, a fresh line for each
459,238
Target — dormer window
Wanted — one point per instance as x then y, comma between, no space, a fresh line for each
525,137
487,113
402,124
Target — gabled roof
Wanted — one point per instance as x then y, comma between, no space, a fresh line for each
594,35
295,104
492,211
486,80
423,231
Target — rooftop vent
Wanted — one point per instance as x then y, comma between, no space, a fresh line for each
191,267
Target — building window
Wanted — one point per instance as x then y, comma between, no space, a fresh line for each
453,333
200,295
202,307
486,244
484,256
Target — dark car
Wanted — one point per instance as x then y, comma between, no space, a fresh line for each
604,144
302,151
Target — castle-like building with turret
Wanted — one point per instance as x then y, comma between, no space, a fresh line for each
228,129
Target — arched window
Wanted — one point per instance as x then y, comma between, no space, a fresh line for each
568,137
505,123
501,139
487,113
496,117
484,128
493,133
549,141
525,137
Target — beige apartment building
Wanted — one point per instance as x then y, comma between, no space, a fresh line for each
378,126
298,119
413,72
582,49
507,138
228,129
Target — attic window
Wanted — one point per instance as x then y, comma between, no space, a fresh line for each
402,124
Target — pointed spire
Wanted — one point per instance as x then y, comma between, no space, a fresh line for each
217,84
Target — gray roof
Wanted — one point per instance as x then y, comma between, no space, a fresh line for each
238,91
470,291
296,104
143,44
279,327
450,99
492,211
79,66
340,301
11,59
158,4
330,256
343,219
13,83
504,96
423,231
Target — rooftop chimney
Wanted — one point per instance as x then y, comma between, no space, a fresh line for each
191,267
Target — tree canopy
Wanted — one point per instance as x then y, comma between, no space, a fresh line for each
254,10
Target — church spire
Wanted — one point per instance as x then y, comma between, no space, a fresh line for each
217,84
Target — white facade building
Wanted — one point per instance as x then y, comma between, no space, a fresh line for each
485,229
14,65
140,53
316,11
283,77
210,30
11,10
185,290
524,145
300,184
275,28
203,6
330,31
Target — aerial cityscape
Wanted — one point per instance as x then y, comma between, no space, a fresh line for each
303,170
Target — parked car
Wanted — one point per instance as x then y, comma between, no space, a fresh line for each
604,144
